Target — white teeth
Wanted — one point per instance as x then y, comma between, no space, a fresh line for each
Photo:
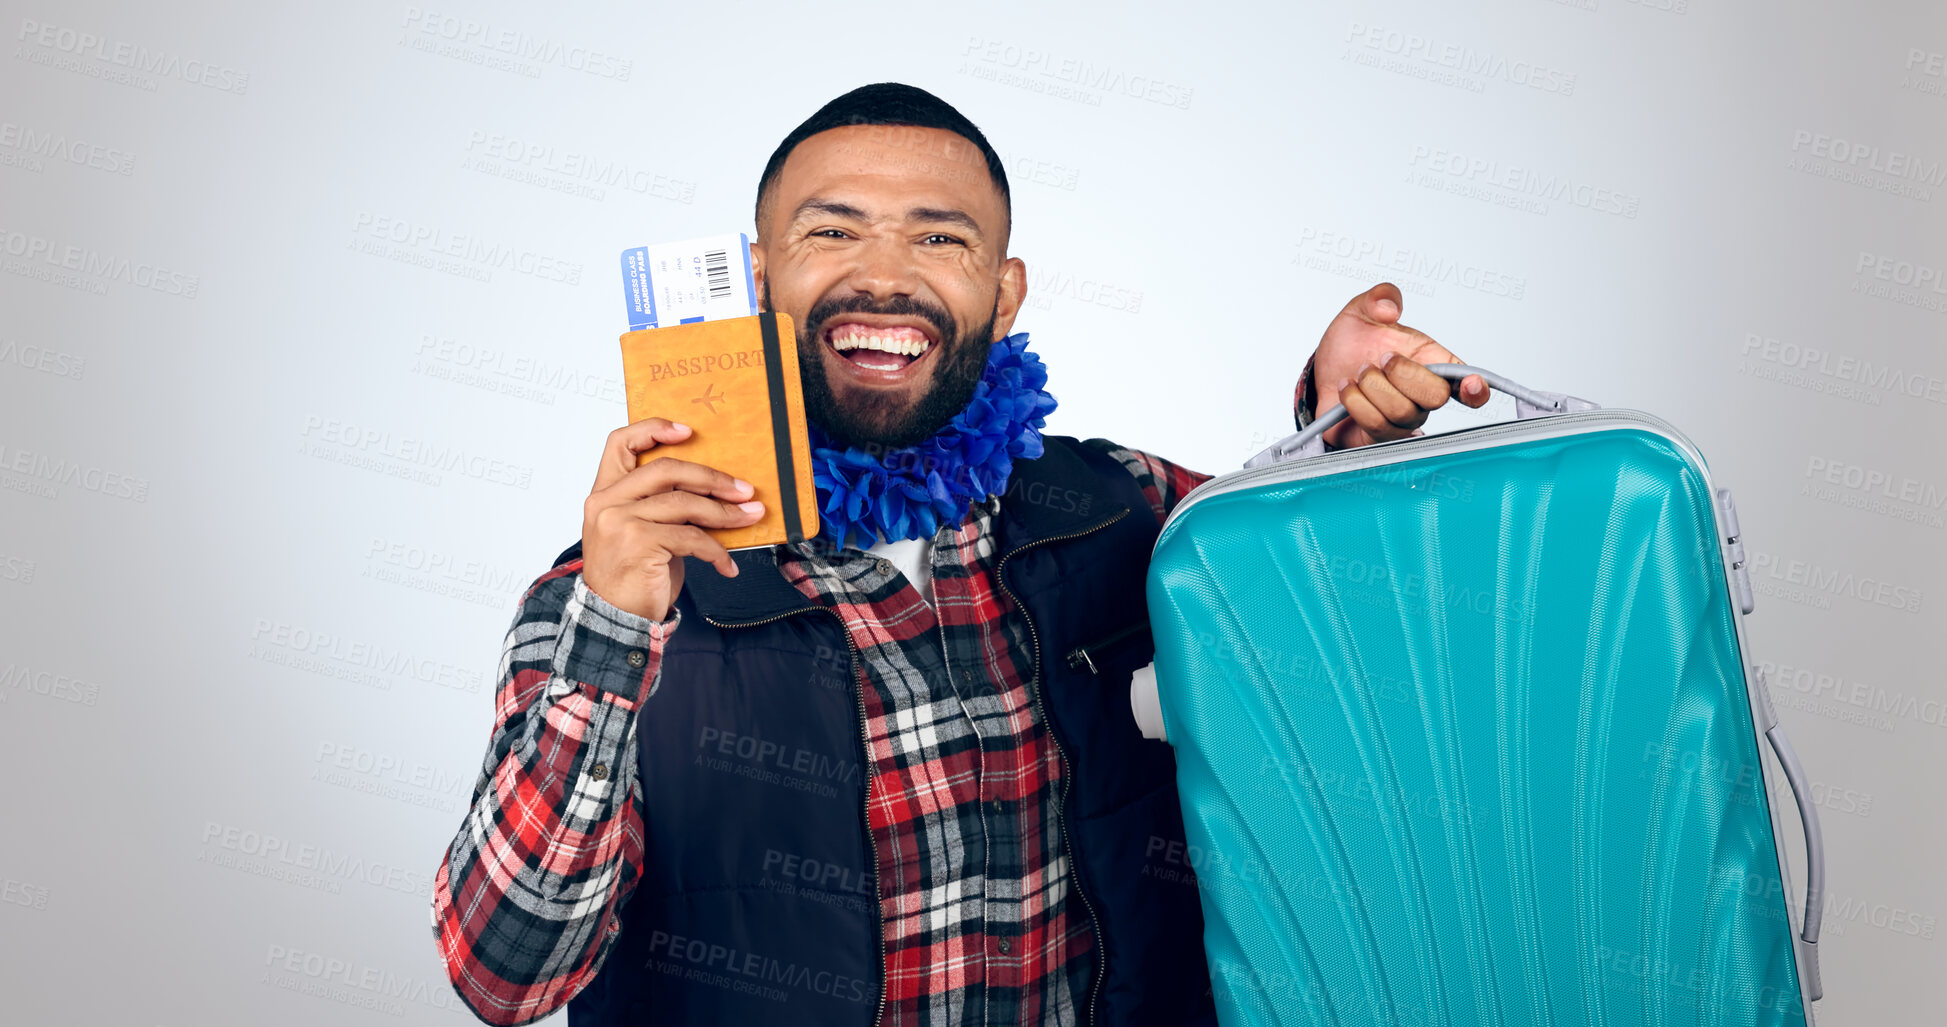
882,343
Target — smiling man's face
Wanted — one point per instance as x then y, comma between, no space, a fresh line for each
887,245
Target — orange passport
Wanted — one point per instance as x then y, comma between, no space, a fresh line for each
735,383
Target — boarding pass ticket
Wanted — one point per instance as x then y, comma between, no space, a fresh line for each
697,280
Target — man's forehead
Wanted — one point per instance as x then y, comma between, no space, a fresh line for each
915,142
869,160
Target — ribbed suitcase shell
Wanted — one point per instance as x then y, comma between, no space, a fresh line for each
1463,737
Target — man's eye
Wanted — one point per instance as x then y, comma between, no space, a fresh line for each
940,237
835,233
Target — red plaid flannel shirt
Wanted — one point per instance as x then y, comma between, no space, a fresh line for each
975,886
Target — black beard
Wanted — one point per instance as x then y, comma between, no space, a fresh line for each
875,423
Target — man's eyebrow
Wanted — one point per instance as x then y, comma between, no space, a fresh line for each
944,216
931,215
831,208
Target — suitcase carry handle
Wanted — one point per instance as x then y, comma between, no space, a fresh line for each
1808,817
1527,403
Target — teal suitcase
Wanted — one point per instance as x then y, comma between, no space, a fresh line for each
1466,733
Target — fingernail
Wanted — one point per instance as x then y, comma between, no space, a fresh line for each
742,486
1388,362
679,426
1387,307
1361,372
1344,383
751,507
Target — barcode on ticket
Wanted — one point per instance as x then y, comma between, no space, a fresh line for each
716,271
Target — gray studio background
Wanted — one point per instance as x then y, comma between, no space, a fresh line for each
308,345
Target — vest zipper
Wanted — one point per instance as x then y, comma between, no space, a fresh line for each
1067,777
865,761
1082,655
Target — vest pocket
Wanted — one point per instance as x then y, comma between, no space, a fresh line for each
1112,649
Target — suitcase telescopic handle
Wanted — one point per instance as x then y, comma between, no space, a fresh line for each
1527,403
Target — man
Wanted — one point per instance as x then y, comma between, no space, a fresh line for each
899,784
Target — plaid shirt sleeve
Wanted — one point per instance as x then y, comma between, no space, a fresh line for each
1304,399
524,904
1162,482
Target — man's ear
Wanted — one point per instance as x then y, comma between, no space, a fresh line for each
1014,290
757,273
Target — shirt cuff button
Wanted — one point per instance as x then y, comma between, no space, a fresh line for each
637,658
599,771
1006,946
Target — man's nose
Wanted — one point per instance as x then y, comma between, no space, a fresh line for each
885,269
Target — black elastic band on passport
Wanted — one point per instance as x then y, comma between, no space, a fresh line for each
787,471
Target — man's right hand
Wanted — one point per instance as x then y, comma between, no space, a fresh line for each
638,521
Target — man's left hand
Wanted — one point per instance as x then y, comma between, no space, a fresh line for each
1376,367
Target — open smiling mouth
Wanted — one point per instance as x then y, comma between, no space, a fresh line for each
882,351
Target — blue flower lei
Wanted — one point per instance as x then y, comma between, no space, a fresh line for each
909,492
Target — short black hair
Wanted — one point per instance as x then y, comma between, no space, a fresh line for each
883,103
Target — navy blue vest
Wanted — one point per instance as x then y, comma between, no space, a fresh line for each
758,900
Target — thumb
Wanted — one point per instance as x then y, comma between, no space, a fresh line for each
1382,303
